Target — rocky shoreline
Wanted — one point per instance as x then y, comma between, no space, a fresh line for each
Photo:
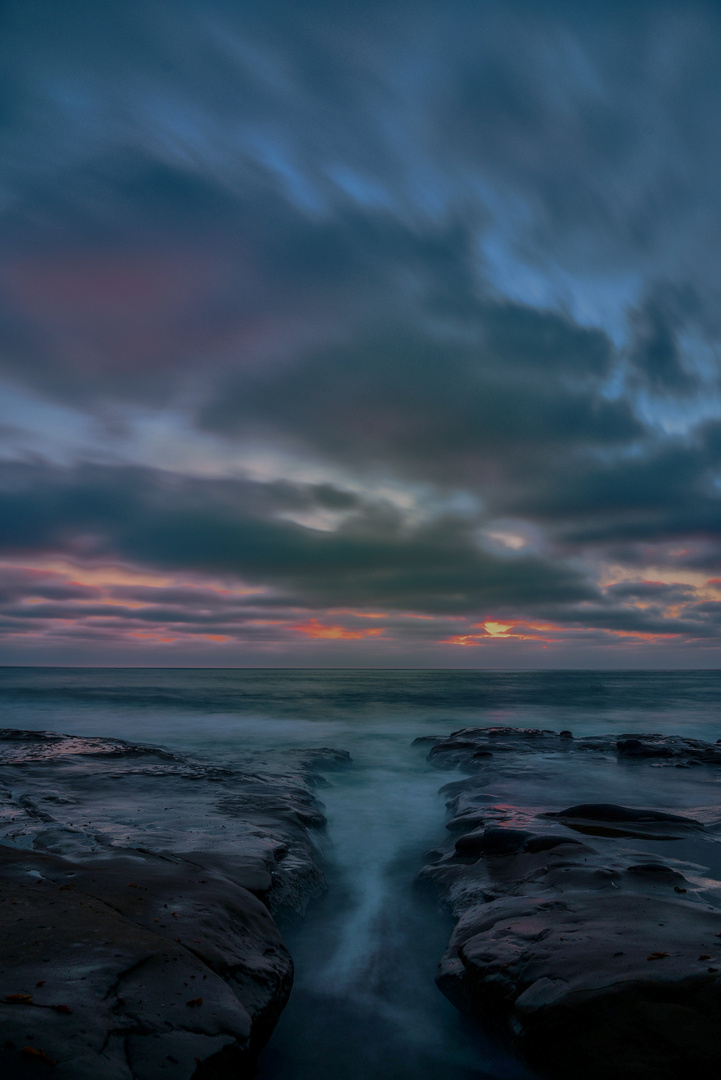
138,890
137,893
587,951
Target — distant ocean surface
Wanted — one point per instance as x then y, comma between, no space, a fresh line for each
184,707
364,1004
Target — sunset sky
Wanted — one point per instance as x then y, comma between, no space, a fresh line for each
373,334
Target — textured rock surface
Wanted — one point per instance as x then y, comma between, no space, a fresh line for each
594,956
135,888
471,747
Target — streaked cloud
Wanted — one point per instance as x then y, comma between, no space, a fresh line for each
384,334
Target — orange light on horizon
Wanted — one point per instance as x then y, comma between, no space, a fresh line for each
314,629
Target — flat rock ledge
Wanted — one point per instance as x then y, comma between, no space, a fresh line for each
136,889
592,956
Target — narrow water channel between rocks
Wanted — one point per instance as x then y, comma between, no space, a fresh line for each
364,1003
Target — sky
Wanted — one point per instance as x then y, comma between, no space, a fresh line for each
354,335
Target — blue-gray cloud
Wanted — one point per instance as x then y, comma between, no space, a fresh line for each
457,248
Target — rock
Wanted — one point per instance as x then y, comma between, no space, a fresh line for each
612,812
658,870
637,748
111,950
591,956
572,984
136,939
547,842
492,842
608,819
80,796
472,747
468,747
466,822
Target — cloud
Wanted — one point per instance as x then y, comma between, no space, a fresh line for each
527,384
656,354
369,310
170,522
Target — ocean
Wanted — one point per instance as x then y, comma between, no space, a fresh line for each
364,1004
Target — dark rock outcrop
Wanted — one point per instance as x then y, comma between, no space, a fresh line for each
136,939
593,957
471,748
608,819
115,966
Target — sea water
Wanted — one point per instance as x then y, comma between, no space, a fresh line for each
364,1004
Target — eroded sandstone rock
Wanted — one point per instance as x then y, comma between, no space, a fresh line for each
136,939
594,957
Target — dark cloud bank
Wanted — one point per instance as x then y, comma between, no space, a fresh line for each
352,333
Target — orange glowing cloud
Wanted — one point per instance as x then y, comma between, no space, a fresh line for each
541,634
314,629
504,631
153,637
73,574
362,614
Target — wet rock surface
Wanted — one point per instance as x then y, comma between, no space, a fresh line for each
584,934
136,890
471,747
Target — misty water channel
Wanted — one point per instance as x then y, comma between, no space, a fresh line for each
364,1003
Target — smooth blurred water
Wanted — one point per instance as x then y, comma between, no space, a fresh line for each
364,1005
204,708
